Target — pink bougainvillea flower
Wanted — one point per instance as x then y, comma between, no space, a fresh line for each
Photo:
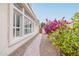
53,25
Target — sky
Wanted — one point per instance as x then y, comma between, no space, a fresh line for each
54,10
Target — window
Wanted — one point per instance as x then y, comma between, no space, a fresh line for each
17,23
30,26
22,25
27,26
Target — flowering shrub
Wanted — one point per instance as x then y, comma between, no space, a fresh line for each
53,25
64,37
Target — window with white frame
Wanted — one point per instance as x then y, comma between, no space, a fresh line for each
20,24
27,26
30,26
17,17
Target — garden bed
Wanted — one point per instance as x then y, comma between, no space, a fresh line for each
64,35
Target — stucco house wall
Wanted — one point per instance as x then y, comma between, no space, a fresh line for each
5,29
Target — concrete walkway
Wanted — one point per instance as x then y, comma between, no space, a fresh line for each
46,47
33,48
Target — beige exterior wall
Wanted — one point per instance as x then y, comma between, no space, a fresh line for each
5,30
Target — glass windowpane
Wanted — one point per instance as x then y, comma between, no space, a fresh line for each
13,32
18,16
17,32
13,19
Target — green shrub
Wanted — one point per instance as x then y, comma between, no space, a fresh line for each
66,40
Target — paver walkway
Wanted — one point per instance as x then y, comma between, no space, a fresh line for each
33,48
